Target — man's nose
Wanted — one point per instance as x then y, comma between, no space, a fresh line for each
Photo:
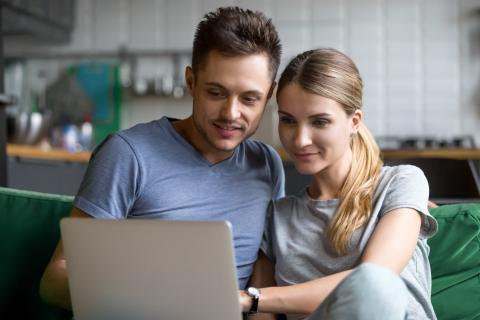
302,137
231,109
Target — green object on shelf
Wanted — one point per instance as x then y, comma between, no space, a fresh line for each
101,82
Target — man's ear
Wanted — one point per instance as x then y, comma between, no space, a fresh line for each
272,88
189,79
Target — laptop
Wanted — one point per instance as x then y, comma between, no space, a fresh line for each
150,269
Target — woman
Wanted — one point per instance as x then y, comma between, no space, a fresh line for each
354,241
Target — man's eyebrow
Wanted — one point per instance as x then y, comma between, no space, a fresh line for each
214,84
218,85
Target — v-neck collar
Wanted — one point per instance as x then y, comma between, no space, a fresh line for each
191,149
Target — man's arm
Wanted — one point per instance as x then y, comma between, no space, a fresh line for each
54,284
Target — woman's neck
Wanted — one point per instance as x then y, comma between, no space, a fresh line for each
327,183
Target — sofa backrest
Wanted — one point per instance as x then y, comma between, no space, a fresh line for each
29,232
455,261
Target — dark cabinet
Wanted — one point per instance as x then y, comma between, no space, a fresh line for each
51,176
45,20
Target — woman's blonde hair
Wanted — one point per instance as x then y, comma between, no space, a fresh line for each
331,74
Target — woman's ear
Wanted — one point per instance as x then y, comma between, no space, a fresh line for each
356,120
190,80
272,89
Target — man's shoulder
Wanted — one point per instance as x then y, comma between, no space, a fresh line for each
142,130
146,135
258,148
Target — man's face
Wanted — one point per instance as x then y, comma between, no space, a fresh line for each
229,97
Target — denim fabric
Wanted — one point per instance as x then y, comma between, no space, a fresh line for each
370,292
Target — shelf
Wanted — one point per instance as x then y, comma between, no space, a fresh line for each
23,151
453,153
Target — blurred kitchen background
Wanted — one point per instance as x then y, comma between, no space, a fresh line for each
77,70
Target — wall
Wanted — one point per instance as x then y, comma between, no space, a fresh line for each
420,59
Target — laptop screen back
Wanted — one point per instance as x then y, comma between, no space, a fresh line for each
150,269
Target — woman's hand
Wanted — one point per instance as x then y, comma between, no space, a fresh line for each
245,301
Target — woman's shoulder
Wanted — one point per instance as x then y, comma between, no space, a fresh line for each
401,171
402,182
287,203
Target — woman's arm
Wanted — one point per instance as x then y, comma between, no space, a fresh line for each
391,245
302,298
393,242
262,276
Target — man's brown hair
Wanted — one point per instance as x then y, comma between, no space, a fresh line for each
234,31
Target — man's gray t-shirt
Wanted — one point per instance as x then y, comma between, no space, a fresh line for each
151,172
295,236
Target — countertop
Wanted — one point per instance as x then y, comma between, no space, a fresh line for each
453,153
15,150
25,151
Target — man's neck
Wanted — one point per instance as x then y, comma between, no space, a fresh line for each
186,128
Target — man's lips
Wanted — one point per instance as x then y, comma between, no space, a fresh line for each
227,130
227,127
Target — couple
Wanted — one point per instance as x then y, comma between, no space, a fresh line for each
352,245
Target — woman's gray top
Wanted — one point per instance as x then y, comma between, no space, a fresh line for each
295,236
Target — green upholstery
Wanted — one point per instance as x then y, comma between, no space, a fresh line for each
29,232
455,262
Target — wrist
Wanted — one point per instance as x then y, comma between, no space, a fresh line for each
254,294
245,301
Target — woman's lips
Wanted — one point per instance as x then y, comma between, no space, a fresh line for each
304,156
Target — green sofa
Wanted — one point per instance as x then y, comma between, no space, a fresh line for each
455,262
29,231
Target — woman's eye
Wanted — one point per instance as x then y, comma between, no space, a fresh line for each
286,120
320,123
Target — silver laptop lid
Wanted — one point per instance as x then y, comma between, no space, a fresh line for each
150,269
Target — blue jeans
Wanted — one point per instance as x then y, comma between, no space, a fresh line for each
370,292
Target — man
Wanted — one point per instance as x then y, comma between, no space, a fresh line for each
201,167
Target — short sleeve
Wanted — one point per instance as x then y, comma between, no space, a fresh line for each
110,185
266,245
278,174
409,189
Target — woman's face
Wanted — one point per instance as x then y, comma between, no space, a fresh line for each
314,130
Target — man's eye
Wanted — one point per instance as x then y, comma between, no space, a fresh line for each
249,100
214,93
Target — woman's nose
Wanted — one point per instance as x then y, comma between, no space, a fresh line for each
302,137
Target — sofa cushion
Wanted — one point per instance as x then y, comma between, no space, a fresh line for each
455,261
29,232
456,246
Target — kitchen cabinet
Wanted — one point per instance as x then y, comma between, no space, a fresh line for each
45,175
54,171
45,20
453,174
